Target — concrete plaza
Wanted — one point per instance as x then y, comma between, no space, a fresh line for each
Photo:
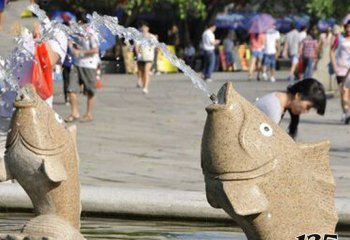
153,141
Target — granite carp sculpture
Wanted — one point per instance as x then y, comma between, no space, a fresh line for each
41,155
271,186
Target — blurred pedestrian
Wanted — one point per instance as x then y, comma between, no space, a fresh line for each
86,60
309,49
145,58
300,68
291,50
271,49
67,66
2,8
257,43
302,33
336,33
189,53
208,43
322,71
174,37
229,49
340,53
154,69
298,99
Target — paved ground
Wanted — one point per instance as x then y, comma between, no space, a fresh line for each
153,141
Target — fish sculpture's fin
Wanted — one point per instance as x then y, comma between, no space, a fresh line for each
246,198
54,170
316,156
73,132
4,171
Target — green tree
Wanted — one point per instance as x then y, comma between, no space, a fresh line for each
329,8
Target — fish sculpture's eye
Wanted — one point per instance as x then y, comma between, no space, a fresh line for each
58,118
266,129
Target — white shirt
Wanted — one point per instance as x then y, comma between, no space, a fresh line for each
293,40
146,53
272,36
208,39
88,43
302,35
270,105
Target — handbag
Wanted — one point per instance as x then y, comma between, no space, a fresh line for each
42,72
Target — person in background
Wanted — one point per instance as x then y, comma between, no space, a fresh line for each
298,99
271,49
154,69
340,58
208,43
257,43
302,33
86,60
309,49
174,37
67,66
66,69
336,33
229,49
145,58
189,53
2,8
323,70
291,50
300,68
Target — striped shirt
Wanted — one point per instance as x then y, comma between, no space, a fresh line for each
310,47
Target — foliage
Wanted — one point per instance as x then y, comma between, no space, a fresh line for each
329,8
182,6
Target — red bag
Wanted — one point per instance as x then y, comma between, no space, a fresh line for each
42,72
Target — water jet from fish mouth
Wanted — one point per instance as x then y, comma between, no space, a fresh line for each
97,23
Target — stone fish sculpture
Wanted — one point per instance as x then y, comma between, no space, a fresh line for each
41,155
271,186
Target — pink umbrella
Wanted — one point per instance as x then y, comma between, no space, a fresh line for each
346,19
261,23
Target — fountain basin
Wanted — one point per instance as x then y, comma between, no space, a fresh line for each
157,203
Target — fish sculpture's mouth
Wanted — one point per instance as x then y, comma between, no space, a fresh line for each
26,97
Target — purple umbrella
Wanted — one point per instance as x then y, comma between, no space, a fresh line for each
261,23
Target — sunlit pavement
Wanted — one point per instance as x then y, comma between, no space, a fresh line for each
153,141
